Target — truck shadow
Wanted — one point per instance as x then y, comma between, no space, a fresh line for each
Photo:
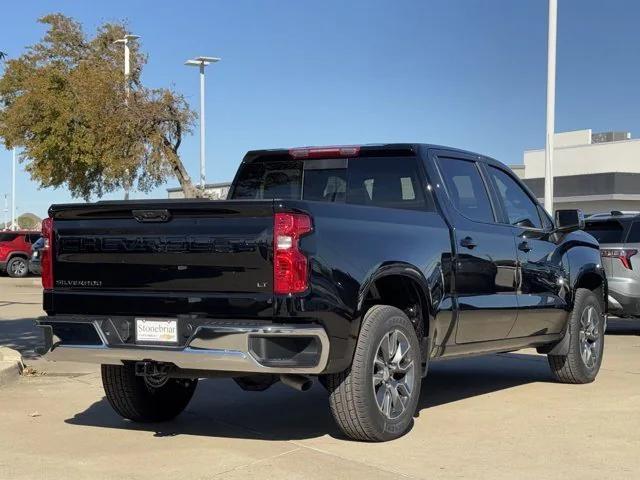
221,409
21,334
623,326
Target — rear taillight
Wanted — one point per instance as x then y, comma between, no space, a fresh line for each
624,254
46,260
290,266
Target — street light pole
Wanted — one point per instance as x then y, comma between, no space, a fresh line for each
551,105
203,174
127,71
202,62
127,61
13,191
5,212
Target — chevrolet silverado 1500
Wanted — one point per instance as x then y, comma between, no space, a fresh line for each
355,265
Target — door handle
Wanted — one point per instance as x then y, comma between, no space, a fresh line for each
468,242
524,246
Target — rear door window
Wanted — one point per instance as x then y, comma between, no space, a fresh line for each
466,189
608,231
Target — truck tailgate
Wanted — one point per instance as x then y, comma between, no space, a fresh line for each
180,250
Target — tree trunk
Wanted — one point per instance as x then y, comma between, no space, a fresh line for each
188,188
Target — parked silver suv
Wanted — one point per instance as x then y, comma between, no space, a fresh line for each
619,237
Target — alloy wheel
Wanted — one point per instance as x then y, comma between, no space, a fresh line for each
590,336
19,268
393,374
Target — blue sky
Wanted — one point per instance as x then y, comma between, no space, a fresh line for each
466,73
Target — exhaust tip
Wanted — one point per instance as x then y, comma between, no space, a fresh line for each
297,382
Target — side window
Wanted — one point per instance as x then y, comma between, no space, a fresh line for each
519,207
547,223
8,237
392,182
466,189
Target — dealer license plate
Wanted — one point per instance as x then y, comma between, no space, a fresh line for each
155,330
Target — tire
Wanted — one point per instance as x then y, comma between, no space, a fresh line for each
355,393
585,333
18,267
135,399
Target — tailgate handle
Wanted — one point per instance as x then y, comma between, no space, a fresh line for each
148,216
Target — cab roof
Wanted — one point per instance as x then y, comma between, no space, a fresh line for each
365,150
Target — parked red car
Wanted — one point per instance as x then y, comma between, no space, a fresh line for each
15,250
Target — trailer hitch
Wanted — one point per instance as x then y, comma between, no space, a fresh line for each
153,369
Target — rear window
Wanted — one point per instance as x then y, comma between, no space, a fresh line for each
386,182
392,182
268,180
8,237
634,233
610,231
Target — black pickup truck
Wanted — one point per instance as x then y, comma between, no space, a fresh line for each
355,265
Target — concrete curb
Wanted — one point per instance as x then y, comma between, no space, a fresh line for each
10,365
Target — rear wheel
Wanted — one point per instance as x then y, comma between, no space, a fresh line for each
376,398
18,267
586,342
145,399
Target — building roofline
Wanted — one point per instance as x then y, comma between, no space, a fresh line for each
585,145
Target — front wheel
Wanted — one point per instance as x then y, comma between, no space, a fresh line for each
145,399
18,267
586,341
376,399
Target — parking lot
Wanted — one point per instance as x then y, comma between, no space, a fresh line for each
489,417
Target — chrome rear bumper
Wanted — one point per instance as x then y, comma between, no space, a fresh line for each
211,347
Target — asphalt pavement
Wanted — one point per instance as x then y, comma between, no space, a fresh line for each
493,417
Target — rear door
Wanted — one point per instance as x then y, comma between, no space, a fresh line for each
485,258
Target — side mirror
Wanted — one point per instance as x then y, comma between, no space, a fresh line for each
569,220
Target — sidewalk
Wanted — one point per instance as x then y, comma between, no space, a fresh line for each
10,365
20,306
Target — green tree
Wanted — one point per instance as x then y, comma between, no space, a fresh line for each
28,221
64,103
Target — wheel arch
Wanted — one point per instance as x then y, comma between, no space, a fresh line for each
592,279
18,253
399,285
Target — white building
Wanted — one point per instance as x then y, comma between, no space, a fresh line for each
215,191
596,172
